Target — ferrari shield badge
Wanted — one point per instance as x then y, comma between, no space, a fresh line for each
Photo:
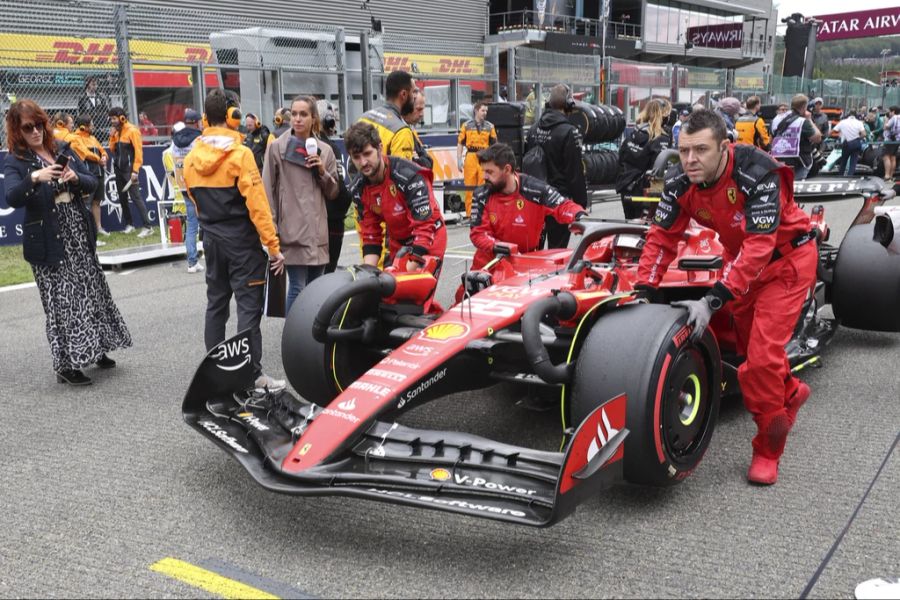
732,195
520,204
393,189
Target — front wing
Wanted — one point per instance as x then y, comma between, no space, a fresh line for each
448,471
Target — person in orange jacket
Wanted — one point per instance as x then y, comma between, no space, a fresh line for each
92,154
223,182
62,126
475,135
126,146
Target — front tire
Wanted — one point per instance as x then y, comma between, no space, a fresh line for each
673,388
318,371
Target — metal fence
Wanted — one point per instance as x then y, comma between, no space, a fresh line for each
158,62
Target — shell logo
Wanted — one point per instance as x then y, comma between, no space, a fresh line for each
440,474
443,332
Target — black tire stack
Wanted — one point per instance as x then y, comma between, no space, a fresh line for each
598,123
509,119
601,167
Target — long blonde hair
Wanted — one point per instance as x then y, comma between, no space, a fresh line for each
655,112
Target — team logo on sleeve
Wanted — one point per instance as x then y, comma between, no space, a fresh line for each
393,189
704,214
493,218
732,195
520,204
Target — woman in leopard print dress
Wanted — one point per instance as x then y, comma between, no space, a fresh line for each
59,240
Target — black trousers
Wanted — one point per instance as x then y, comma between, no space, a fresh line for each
241,272
556,234
335,243
134,195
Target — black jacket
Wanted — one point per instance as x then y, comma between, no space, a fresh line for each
257,141
561,142
636,156
41,241
337,208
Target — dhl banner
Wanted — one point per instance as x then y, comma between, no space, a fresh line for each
752,83
52,51
433,64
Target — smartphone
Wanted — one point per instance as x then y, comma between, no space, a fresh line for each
62,160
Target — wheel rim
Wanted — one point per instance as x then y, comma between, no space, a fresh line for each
690,397
685,406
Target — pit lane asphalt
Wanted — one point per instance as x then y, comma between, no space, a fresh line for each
101,482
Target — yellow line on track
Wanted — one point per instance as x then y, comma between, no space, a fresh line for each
207,580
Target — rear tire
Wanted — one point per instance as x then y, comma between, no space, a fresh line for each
319,371
673,388
865,293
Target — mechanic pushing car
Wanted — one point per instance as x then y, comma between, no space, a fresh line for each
398,193
510,208
770,267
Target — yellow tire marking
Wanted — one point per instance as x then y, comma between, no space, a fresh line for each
207,580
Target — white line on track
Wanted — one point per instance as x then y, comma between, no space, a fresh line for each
20,286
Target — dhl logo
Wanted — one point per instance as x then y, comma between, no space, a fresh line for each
100,53
434,65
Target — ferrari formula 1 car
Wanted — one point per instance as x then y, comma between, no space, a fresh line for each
638,399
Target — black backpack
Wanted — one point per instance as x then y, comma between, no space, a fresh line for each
536,164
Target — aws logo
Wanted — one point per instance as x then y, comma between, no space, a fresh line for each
444,332
231,351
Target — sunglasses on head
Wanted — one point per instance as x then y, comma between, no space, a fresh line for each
29,128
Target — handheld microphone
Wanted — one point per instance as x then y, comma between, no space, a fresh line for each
312,146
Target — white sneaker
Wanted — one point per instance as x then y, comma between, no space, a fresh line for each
145,232
128,229
100,243
264,382
102,231
196,268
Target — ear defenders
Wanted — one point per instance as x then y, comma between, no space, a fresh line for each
82,128
60,124
278,118
233,116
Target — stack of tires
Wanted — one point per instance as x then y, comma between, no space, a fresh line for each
509,119
601,167
598,123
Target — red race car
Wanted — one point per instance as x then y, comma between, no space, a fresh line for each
638,399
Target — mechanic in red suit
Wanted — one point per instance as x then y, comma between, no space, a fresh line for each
510,207
398,193
770,267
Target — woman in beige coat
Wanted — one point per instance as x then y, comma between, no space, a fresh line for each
298,185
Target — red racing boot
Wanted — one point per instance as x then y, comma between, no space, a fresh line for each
768,445
792,406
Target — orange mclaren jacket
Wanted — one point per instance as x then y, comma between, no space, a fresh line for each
222,179
126,147
87,147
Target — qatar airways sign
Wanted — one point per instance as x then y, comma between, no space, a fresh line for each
727,35
866,23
